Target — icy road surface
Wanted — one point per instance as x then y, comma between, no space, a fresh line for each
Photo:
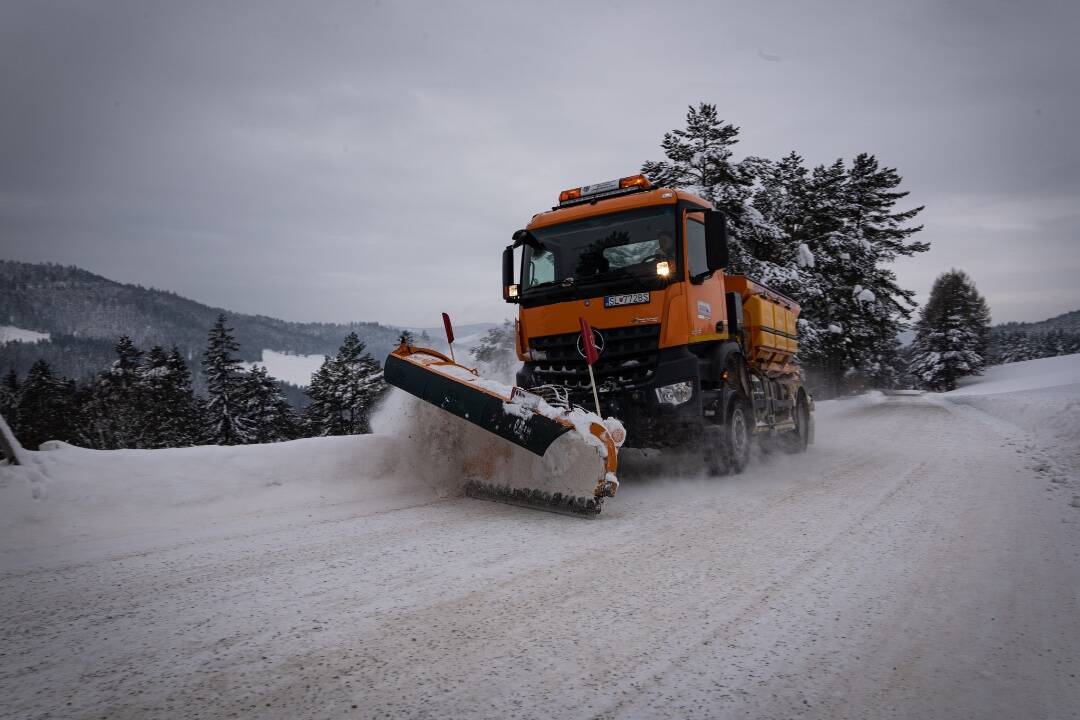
921,561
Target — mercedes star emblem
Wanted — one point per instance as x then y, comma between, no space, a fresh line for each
598,340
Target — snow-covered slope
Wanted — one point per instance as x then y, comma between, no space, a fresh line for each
1041,397
918,561
1050,372
292,368
9,333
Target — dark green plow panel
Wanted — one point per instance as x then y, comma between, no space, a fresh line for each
535,434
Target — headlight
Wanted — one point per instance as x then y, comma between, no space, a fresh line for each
675,393
663,268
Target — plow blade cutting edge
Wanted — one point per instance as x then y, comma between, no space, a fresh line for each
557,459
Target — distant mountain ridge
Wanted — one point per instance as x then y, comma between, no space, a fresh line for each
1066,322
1019,341
86,313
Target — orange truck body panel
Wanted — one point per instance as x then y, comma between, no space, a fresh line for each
686,312
676,364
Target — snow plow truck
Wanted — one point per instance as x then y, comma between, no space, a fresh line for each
681,354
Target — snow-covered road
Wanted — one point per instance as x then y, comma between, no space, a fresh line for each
922,560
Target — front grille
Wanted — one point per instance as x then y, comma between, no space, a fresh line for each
628,360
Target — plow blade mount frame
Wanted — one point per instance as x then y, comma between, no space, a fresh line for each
436,379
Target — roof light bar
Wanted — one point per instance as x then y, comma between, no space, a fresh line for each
621,186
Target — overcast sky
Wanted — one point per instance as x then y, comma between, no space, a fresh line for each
369,161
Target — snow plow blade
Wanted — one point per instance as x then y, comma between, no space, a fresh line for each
564,459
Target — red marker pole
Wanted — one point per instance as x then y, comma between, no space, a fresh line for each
591,356
449,334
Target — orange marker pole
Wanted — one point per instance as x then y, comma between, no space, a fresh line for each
449,335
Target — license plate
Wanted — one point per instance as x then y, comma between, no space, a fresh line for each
611,301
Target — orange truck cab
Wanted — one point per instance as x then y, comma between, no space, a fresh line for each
687,354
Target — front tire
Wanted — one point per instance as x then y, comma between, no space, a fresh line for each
737,437
713,451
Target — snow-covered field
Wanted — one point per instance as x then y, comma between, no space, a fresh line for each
298,369
295,369
9,333
922,560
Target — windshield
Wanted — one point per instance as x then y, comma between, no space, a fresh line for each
594,249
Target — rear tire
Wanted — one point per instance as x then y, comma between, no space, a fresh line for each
737,437
797,440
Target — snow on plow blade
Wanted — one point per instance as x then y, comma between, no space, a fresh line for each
565,460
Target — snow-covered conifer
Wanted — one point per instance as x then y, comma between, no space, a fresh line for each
173,412
699,157
268,413
344,391
853,231
495,351
46,408
225,421
952,333
119,404
9,396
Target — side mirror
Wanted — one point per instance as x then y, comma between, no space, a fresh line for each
716,240
510,288
524,237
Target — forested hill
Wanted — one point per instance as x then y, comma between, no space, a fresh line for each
1068,323
85,314
1014,342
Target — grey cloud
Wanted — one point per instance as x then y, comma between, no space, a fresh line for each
355,161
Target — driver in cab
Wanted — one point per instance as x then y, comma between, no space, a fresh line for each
666,245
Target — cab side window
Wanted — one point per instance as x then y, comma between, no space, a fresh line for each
696,258
541,268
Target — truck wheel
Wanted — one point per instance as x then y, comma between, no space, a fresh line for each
713,450
797,440
737,437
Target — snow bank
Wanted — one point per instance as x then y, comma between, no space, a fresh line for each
9,333
70,492
1039,396
1026,375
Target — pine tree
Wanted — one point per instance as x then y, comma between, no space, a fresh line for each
852,306
173,412
344,391
699,157
226,423
9,397
46,408
119,403
952,333
186,419
322,412
496,349
361,378
266,409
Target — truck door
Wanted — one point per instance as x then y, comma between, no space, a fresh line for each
704,294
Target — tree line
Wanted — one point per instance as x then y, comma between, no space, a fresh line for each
146,400
1017,345
826,236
